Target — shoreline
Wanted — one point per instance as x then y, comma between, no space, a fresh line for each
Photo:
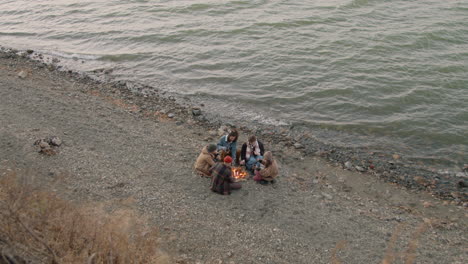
389,167
123,149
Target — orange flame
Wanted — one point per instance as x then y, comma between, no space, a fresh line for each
238,173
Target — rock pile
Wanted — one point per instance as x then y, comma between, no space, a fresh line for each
49,145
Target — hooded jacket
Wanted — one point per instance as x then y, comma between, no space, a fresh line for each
204,161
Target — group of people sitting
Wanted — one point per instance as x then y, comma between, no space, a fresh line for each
216,161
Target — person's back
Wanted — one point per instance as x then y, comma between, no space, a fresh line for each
222,181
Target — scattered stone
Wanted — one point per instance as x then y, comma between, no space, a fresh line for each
171,115
327,196
461,175
43,145
196,111
396,156
212,133
348,165
22,74
360,169
421,181
55,141
48,151
298,146
29,51
462,184
48,145
223,130
322,153
427,204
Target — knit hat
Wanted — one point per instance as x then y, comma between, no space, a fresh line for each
211,148
227,159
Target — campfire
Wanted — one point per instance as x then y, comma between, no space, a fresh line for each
239,173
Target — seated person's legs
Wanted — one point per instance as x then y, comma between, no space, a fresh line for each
203,173
252,161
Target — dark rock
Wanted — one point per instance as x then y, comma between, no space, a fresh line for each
196,111
29,51
462,184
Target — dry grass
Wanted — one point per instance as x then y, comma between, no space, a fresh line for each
39,227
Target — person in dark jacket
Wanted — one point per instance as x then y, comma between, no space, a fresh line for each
252,153
222,181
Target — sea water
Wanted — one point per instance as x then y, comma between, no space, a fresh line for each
388,75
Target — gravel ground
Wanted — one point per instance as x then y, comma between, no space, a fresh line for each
125,150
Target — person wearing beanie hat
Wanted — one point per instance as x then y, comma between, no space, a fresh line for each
206,160
228,159
222,181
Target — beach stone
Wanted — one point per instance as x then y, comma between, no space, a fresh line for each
359,168
461,175
348,165
48,151
462,184
22,74
44,144
427,204
196,111
396,156
55,141
327,196
171,115
298,146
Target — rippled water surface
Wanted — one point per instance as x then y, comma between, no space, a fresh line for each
381,74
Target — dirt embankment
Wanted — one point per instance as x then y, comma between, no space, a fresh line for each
132,150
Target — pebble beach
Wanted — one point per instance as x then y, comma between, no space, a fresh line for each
122,143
